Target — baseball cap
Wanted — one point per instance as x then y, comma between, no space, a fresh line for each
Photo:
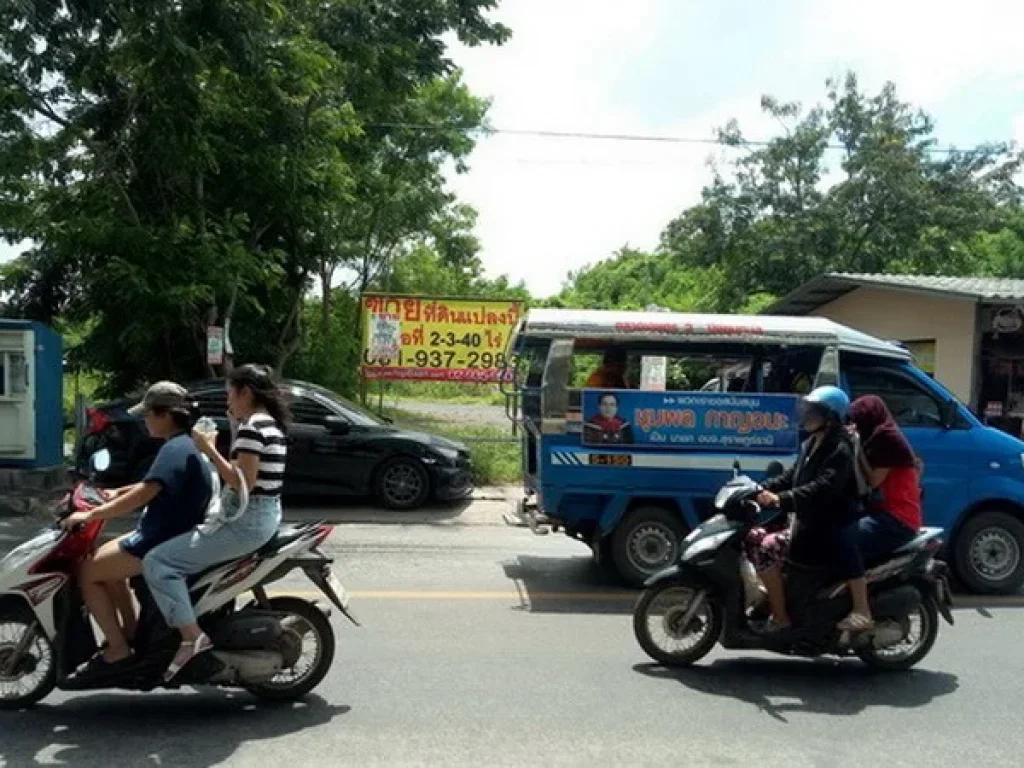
163,394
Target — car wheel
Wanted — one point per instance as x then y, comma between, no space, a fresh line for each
989,553
646,542
402,484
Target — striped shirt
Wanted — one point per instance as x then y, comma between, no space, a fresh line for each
261,436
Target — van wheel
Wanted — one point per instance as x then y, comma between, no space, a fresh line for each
646,542
989,553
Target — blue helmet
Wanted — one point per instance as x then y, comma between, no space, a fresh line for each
832,400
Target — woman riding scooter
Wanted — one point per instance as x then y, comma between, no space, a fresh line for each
175,493
891,469
820,495
255,469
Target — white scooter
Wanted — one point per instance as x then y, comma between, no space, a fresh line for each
274,647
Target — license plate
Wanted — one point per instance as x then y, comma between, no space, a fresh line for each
339,590
611,459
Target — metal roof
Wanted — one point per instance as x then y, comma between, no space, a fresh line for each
678,327
827,288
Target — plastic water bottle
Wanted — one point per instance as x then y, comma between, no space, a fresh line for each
207,426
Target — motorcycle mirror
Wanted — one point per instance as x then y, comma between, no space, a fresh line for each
100,461
736,468
774,469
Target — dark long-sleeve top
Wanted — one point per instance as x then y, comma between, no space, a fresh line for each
820,491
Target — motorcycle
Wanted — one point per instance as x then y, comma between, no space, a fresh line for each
277,648
703,599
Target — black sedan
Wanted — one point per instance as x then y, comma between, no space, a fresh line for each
335,448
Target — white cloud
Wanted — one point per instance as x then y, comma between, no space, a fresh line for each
928,50
550,205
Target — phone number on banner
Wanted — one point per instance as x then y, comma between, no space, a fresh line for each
476,375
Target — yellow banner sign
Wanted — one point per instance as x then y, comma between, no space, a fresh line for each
429,339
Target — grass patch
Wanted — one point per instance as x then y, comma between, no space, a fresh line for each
442,392
493,463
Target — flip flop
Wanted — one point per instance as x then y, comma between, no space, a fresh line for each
187,651
856,622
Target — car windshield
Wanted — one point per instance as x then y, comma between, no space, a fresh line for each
355,413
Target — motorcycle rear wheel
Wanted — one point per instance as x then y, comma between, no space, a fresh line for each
897,659
36,675
700,636
309,622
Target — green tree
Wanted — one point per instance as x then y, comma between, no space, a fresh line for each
182,163
1001,253
635,280
780,213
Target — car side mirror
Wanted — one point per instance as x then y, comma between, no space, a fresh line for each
336,425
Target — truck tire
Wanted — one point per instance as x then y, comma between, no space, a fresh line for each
989,553
646,541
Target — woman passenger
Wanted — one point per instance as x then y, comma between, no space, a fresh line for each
257,459
890,467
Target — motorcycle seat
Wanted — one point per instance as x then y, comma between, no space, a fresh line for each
284,536
281,539
924,536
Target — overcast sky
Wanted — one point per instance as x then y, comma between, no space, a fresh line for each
683,68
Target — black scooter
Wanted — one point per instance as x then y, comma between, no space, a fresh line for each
689,607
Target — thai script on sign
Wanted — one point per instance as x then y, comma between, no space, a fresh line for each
435,339
690,420
450,312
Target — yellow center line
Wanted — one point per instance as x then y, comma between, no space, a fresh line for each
466,595
965,601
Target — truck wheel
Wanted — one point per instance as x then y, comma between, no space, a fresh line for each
989,553
646,541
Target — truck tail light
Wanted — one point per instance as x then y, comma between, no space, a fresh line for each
98,421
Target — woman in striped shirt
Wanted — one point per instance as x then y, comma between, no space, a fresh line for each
258,456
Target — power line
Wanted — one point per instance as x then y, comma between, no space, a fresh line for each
644,138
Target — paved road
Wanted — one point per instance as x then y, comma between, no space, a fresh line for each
485,645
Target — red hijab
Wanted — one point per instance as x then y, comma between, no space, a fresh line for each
881,440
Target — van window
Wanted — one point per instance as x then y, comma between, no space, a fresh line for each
910,403
695,373
728,368
790,371
584,363
529,363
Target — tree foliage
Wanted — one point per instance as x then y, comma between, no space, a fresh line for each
185,163
854,185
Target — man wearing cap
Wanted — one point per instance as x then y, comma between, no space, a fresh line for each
175,492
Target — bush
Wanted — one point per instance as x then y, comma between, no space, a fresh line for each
494,463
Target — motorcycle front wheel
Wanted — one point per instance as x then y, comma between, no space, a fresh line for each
920,630
308,645
658,624
31,678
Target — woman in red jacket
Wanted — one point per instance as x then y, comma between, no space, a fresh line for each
892,470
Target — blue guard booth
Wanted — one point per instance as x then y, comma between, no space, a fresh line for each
31,396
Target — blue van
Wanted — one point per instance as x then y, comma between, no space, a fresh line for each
629,464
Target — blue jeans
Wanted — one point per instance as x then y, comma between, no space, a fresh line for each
881,535
166,567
